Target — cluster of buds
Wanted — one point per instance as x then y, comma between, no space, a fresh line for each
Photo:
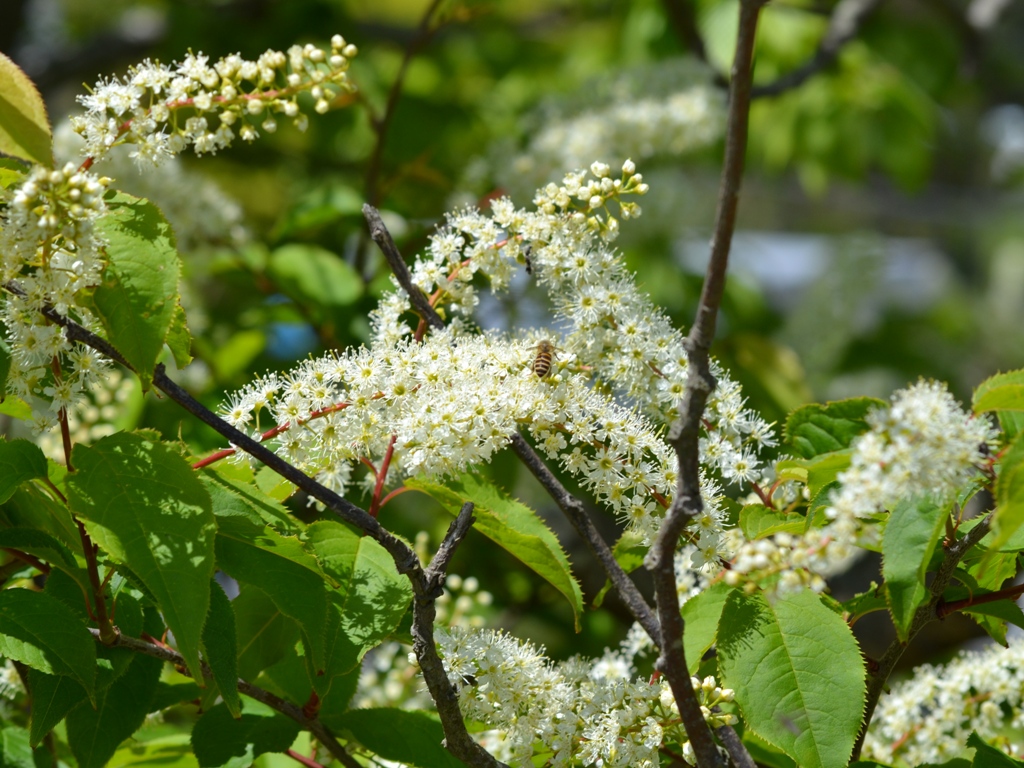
588,197
49,252
162,109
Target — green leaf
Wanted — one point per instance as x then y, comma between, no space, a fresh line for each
24,127
94,734
993,618
290,678
43,633
143,504
629,552
265,634
220,740
815,429
1002,392
12,172
758,521
869,601
702,613
232,496
221,647
14,407
420,744
16,750
511,525
45,547
910,536
138,298
280,566
20,461
172,751
314,277
179,340
5,369
816,473
1009,514
53,696
797,672
370,600
988,756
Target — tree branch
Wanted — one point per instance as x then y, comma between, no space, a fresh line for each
386,243
426,591
405,559
577,515
923,615
287,708
843,26
685,433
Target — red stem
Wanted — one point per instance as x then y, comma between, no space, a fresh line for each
375,503
306,761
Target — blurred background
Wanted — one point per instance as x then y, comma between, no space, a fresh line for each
881,231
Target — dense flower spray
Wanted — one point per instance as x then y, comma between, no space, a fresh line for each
924,444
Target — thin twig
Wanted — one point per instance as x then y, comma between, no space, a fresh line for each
286,708
386,243
685,433
574,510
426,589
843,26
925,613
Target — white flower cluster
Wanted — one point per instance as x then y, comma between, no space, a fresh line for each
49,247
680,122
147,107
616,337
924,444
449,402
199,211
928,718
563,712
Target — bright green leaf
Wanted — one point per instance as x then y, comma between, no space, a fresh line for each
179,340
914,528
53,696
511,525
24,127
15,751
41,632
988,756
220,740
758,521
221,647
173,751
20,461
370,600
232,496
702,613
1002,392
420,744
797,672
94,734
138,298
282,568
265,635
143,504
815,429
1009,514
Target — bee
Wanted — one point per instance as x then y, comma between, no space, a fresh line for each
544,358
